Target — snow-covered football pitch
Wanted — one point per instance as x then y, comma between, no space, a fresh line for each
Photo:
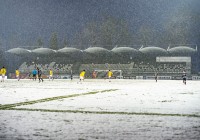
99,109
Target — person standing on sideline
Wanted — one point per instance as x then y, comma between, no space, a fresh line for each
156,76
40,75
51,74
184,77
17,74
3,73
82,75
110,73
94,74
71,75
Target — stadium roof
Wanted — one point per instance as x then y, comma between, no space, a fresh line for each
182,51
43,51
19,51
153,51
67,51
96,50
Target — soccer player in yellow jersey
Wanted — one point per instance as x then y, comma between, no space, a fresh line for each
0,73
17,74
3,73
50,74
109,75
82,75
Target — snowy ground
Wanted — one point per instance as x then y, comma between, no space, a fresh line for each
99,109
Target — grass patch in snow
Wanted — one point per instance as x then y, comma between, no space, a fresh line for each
7,106
106,112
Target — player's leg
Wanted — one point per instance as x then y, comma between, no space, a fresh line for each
3,76
81,79
42,78
184,80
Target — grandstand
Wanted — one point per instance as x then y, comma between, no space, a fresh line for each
133,63
58,68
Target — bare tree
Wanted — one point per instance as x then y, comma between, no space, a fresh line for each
107,34
179,27
40,42
146,35
114,32
54,41
65,43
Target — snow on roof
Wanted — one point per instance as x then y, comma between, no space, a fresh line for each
68,50
19,51
96,50
124,50
182,50
154,51
43,51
